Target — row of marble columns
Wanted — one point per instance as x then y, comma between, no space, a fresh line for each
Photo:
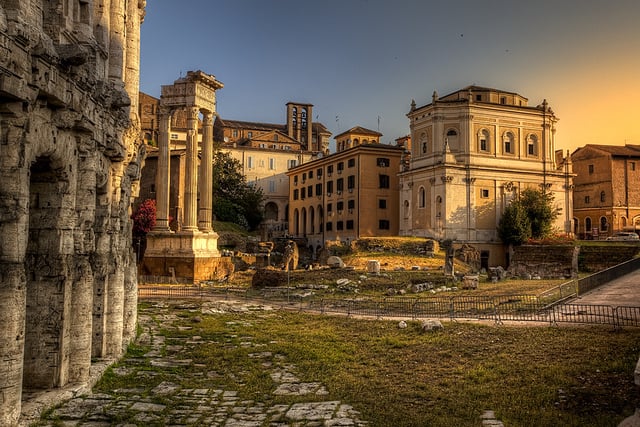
195,182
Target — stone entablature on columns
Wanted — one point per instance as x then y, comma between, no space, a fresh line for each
192,253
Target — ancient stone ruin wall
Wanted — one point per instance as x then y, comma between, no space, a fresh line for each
69,162
544,261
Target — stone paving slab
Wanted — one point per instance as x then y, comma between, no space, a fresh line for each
200,406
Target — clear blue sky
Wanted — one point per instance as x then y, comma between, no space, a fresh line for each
358,60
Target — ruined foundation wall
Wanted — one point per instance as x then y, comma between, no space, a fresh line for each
70,157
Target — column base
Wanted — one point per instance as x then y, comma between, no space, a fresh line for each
186,256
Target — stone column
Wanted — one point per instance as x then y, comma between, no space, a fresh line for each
163,171
117,41
206,174
191,172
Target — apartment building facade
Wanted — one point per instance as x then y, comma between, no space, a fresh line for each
350,194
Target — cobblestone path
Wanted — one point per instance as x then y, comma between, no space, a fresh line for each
169,404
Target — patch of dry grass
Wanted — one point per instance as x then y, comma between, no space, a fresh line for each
543,376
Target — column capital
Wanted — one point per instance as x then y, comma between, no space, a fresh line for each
207,118
192,112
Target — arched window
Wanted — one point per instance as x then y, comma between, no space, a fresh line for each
532,145
603,223
575,226
623,221
483,140
422,198
602,196
507,143
587,225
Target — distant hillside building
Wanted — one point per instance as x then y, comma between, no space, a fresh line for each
606,198
472,152
350,194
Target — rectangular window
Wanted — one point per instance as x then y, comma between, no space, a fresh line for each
292,163
351,204
384,224
272,186
329,208
272,163
382,204
329,187
531,149
632,165
507,146
329,226
340,167
351,182
383,162
340,184
304,177
587,200
295,194
303,193
350,224
250,162
295,180
235,133
174,136
249,134
310,174
484,193
483,144
318,189
383,181
310,190
340,207
319,173
351,163
329,170
339,225
478,97
590,169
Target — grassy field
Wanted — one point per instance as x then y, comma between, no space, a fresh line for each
528,375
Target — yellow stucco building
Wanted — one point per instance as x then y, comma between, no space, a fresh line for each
350,194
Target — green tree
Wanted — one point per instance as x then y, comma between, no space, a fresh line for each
235,200
529,216
514,227
540,211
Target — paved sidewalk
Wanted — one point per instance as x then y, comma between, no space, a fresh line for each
622,291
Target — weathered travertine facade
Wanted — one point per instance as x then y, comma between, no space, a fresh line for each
69,163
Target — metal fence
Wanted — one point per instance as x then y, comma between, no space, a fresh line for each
550,306
497,308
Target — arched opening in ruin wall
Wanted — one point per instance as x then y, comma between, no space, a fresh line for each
49,281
